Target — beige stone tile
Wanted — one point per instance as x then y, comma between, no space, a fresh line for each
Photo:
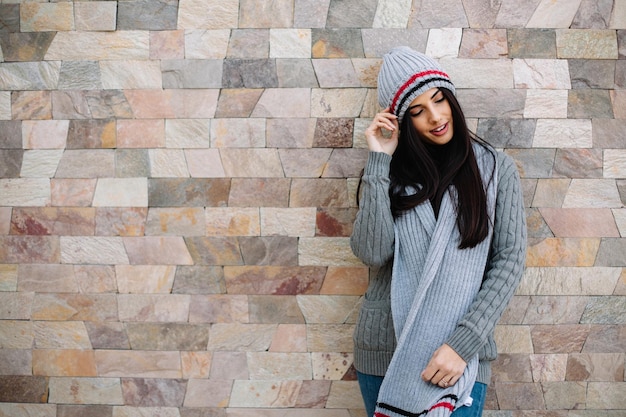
541,73
8,277
229,366
284,102
46,278
121,192
305,163
555,310
184,221
564,281
564,395
95,15
154,307
251,162
606,395
484,43
93,250
327,308
130,74
94,279
592,193
297,221
39,163
16,306
138,364
346,102
61,335
238,133
131,411
95,46
563,133
267,394
206,44
46,17
67,362
331,251
618,16
187,133
345,281
614,163
618,99
86,391
599,367
335,73
586,44
550,192
551,14
207,393
330,338
167,163
290,43
620,220
344,394
563,252
173,104
279,366
86,307
226,221
16,334
144,279
241,337
580,222
513,339
5,104
253,14
197,14
219,308
330,366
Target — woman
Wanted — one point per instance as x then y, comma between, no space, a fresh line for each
441,224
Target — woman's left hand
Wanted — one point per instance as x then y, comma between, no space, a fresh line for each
444,368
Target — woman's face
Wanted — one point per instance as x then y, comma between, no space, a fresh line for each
431,116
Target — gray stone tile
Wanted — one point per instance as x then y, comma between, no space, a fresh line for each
310,13
82,163
104,104
107,335
498,103
72,410
531,43
578,163
91,134
620,74
30,46
10,134
533,163
147,14
621,43
80,75
351,13
10,162
428,14
29,75
249,73
153,392
612,252
194,192
334,73
593,14
592,73
506,133
131,163
249,44
167,336
482,13
9,18
294,73
515,14
590,103
378,41
70,104
271,250
607,309
199,280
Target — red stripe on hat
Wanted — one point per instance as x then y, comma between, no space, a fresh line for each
409,82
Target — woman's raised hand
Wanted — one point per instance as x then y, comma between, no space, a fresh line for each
382,134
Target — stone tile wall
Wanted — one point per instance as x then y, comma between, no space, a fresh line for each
177,188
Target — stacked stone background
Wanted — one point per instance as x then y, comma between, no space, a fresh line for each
177,187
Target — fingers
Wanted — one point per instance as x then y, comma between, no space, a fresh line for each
444,368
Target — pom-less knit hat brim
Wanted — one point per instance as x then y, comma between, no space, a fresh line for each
404,75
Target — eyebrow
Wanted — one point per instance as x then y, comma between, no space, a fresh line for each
431,97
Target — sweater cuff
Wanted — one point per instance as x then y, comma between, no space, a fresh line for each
465,343
377,164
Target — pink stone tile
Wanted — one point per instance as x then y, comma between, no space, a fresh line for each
289,338
345,281
72,192
30,249
167,44
31,105
580,222
141,133
172,104
163,250
93,279
45,134
207,393
64,221
5,220
218,308
69,362
204,163
229,365
196,365
273,280
129,221
89,307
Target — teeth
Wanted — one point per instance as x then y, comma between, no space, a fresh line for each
439,129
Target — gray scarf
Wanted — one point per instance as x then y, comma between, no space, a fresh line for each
429,297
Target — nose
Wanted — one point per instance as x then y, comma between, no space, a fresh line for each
435,116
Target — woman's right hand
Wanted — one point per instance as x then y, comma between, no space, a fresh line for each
377,140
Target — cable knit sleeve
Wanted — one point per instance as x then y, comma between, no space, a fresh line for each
372,237
504,268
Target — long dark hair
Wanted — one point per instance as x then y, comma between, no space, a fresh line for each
412,165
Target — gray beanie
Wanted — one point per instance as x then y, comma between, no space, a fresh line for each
404,75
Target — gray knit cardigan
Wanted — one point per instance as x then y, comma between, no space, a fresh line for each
372,241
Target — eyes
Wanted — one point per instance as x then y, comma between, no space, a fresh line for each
419,109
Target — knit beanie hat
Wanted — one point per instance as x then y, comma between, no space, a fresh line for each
404,75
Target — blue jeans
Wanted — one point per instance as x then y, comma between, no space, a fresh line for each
370,385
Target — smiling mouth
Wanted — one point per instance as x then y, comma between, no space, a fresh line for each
440,130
